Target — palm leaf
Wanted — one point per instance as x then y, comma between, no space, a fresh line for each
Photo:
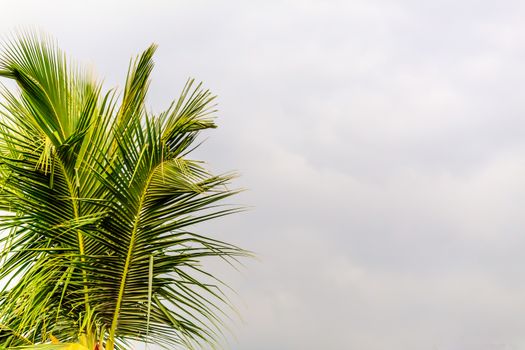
102,201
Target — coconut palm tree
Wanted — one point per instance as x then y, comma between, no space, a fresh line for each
100,200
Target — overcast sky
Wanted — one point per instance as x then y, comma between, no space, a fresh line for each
382,144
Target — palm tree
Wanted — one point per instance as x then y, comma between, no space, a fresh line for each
100,200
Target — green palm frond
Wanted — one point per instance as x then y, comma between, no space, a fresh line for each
101,202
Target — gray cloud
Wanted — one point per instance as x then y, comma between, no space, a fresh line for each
382,143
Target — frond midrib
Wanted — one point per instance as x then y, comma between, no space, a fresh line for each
79,232
127,264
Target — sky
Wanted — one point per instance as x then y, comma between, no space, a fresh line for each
382,146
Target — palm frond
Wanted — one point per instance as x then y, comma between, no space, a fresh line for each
102,201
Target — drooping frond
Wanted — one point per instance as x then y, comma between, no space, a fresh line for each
102,202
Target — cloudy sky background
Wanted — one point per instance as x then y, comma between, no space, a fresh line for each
383,146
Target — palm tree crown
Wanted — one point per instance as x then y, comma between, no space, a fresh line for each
99,199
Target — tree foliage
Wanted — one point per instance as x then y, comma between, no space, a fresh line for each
100,200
